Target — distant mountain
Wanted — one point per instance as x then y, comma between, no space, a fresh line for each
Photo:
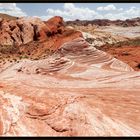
106,22
6,16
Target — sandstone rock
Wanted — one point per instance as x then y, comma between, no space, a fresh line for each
5,38
77,91
24,30
14,32
11,108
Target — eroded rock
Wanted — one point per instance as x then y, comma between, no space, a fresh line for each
24,30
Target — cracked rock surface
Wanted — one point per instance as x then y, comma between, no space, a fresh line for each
77,91
70,96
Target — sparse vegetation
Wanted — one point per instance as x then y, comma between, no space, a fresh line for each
8,49
23,56
5,16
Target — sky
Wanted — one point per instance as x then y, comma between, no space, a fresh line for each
73,11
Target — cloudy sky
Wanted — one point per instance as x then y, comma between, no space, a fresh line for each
72,11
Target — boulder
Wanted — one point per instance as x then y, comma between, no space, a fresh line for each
25,30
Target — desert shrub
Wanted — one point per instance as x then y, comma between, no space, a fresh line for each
23,56
48,33
36,58
19,53
19,70
8,49
15,59
59,31
28,53
125,53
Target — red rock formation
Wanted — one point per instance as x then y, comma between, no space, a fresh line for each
79,91
24,30
52,26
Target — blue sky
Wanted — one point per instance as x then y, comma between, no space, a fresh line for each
72,11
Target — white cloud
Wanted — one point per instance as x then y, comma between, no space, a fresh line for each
69,6
120,9
132,12
11,9
107,8
72,12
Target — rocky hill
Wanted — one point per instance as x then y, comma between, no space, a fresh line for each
7,17
32,36
25,30
106,22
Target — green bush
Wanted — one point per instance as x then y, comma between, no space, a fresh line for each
23,56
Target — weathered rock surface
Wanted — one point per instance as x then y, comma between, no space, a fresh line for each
77,91
25,30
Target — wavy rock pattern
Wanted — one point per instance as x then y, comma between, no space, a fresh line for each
77,91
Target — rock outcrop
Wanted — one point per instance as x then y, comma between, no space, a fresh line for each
32,36
25,30
106,22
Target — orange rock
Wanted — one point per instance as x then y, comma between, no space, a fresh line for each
22,31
